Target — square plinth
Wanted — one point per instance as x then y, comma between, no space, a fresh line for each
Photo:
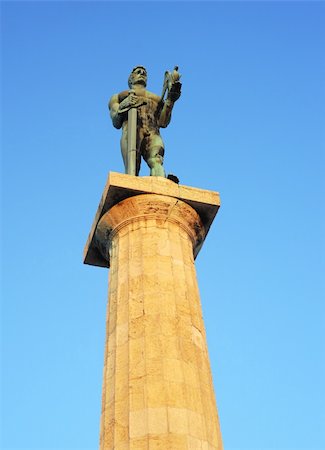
120,186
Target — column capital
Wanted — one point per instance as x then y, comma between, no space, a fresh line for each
127,198
148,210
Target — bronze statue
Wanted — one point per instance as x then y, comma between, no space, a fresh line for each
141,114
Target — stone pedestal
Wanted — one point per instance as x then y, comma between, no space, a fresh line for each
157,388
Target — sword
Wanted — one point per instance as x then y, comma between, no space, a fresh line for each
132,136
132,141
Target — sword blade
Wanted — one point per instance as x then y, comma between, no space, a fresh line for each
132,141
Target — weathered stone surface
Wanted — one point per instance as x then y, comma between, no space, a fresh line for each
157,387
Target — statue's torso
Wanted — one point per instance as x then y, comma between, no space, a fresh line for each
148,112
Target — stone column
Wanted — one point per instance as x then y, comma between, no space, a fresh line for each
157,388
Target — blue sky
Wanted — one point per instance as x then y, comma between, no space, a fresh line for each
249,124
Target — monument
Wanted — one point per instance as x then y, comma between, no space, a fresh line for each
157,385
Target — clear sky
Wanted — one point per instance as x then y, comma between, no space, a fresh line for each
249,124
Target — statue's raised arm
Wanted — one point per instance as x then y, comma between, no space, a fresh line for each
141,114
172,86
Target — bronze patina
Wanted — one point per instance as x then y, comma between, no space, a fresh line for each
141,114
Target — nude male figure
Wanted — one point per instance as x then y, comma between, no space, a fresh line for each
153,113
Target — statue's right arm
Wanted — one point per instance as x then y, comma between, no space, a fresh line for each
113,107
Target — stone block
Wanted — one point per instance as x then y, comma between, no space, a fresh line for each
139,444
121,433
122,333
137,370
170,441
176,394
137,327
170,347
107,438
154,367
177,420
159,442
138,425
152,325
173,370
156,392
157,420
136,303
136,351
196,425
136,400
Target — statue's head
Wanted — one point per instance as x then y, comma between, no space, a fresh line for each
138,76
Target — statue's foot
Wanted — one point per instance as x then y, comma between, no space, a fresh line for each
173,178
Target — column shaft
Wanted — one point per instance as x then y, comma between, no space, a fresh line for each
157,387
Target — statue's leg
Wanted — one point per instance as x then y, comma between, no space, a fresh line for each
154,155
138,154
